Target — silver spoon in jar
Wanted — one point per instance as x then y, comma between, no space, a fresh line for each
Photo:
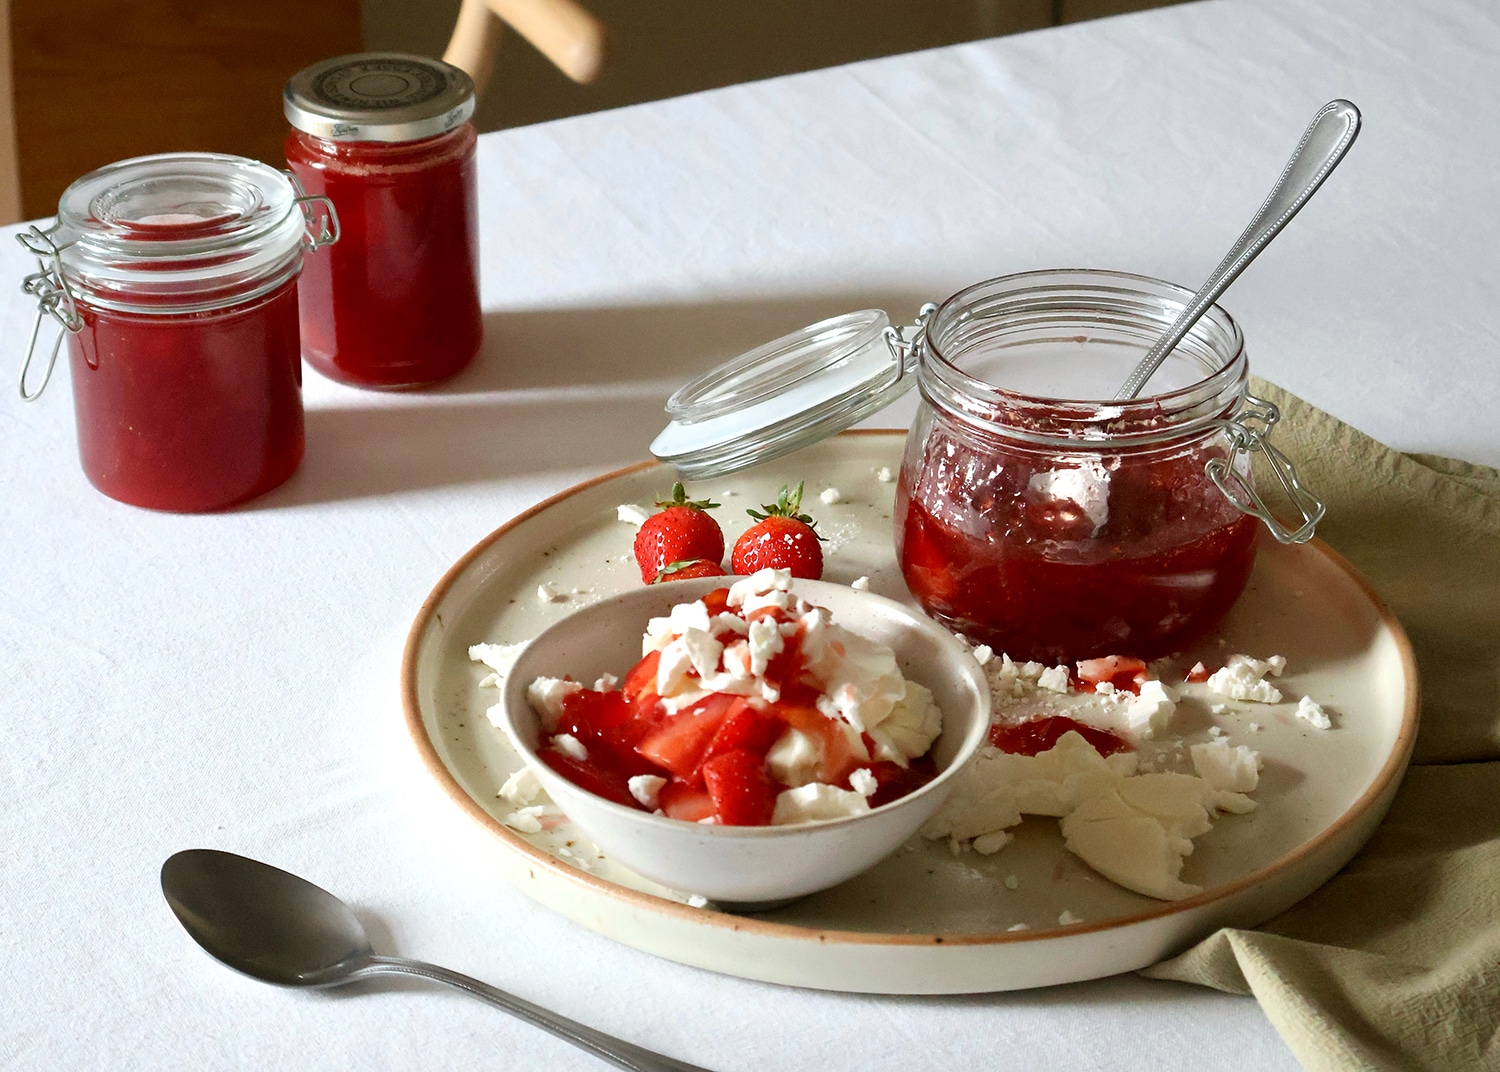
1323,145
281,929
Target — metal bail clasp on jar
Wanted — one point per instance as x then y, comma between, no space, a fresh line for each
53,297
1249,432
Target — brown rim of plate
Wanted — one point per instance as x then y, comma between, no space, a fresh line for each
1394,765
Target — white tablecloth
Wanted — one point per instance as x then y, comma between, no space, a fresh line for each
230,681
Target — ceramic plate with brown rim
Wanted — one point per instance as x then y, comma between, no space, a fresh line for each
927,920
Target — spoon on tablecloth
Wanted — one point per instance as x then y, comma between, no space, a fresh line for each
1323,145
281,929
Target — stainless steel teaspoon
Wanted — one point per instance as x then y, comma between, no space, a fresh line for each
1323,145
281,929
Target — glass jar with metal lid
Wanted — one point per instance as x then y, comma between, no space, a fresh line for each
1032,513
173,278
385,137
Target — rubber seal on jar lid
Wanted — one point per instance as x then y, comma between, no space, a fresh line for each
786,395
378,96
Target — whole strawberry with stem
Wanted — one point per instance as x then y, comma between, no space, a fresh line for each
782,538
682,531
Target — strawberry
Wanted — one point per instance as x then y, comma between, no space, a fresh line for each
680,800
743,792
693,567
598,779
744,728
679,742
680,532
782,538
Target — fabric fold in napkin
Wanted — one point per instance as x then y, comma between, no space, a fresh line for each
1395,962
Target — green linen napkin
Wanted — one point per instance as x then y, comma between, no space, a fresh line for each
1395,962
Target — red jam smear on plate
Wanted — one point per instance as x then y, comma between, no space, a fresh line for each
1037,735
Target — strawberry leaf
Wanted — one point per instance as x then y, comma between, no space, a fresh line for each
679,498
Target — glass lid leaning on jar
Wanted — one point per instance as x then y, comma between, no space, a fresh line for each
173,279
1030,514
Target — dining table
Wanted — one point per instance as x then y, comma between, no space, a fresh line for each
233,680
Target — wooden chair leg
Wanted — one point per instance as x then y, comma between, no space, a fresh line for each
561,30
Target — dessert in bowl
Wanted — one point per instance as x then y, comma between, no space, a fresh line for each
906,699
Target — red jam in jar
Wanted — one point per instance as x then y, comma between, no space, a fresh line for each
385,138
174,277
1054,527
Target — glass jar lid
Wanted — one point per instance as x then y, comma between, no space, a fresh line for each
786,394
178,228
378,96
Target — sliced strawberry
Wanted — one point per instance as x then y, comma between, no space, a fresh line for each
679,800
679,743
1121,671
688,569
744,794
744,728
781,538
640,683
717,601
590,713
592,776
681,532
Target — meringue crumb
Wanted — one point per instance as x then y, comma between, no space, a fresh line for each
1067,919
526,820
1011,882
860,584
1018,927
697,900
545,593
632,514
830,496
1312,711
884,474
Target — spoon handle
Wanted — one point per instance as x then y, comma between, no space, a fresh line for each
616,1051
1323,145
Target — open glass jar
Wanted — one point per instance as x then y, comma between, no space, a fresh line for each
1031,514
173,278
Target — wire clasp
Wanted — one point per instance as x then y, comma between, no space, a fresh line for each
53,297
1249,432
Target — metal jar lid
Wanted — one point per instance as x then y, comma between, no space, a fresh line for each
378,96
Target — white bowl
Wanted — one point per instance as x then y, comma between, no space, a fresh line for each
751,865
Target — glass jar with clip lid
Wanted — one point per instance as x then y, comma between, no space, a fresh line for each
173,280
1033,513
